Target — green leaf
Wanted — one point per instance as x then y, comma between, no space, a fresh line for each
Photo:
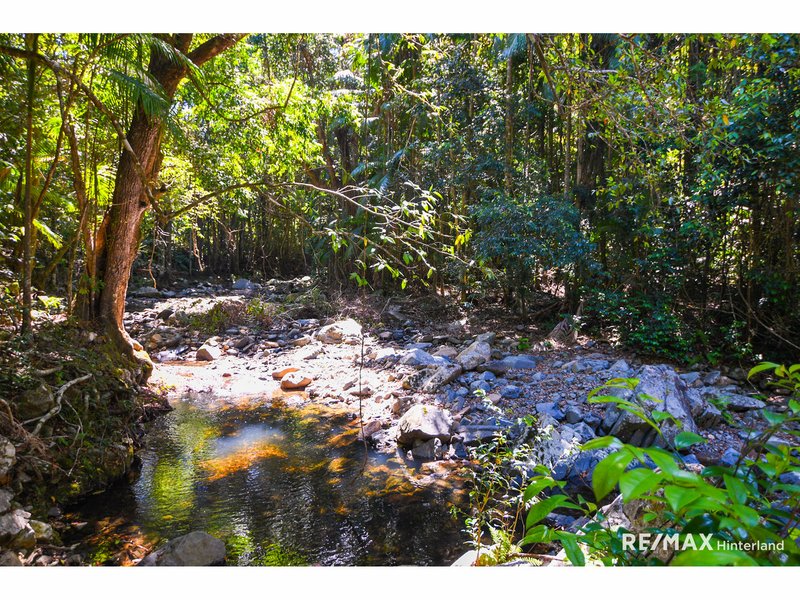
748,516
538,486
544,507
637,482
679,497
607,441
660,415
686,438
736,489
764,366
571,548
607,472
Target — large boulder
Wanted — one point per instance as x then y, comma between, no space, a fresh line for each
347,331
473,355
422,422
195,549
660,382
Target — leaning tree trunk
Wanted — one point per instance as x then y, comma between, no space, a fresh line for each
131,198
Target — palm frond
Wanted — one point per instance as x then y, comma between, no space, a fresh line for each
143,89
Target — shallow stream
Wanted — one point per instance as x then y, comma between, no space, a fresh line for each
281,483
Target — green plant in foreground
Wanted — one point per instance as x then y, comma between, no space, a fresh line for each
744,514
496,505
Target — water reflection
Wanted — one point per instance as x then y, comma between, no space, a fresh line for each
282,485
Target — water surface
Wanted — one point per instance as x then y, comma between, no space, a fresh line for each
281,484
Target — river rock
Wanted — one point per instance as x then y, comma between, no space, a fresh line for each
347,331
447,352
295,381
243,342
621,368
586,365
487,337
660,382
15,530
8,458
705,414
208,353
243,284
502,366
473,355
442,376
428,450
551,409
572,415
10,559
35,402
417,357
422,422
733,401
576,470
146,292
301,341
195,549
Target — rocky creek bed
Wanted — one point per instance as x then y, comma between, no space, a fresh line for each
301,437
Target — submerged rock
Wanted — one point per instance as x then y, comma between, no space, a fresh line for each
428,450
195,549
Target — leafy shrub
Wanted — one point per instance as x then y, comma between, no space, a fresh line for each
756,501
641,323
523,240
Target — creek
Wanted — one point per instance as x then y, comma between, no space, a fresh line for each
281,482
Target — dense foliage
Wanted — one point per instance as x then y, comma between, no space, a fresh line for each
653,177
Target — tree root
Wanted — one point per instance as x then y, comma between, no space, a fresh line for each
57,408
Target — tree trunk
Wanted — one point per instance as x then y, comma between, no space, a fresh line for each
509,130
31,43
131,200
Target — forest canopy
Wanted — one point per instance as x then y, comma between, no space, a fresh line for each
651,180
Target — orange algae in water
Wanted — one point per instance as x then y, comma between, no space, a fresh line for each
241,459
